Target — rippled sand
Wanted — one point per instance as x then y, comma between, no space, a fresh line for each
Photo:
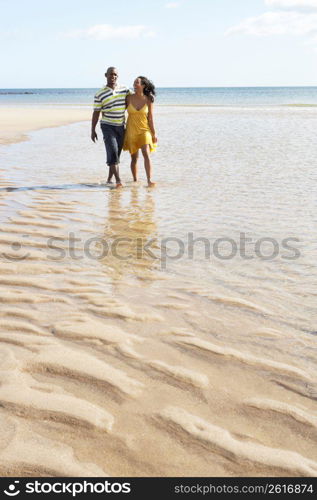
117,362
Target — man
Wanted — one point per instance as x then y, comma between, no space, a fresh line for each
110,102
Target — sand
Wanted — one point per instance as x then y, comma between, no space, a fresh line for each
15,123
112,368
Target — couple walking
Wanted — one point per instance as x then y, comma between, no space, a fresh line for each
112,101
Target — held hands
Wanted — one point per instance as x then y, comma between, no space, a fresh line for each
94,136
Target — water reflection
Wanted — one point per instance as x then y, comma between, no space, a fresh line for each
131,235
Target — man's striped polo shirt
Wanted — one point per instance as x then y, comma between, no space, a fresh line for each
111,103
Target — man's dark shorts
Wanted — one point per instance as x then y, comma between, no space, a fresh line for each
113,138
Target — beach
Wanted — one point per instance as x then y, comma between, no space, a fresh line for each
165,332
17,122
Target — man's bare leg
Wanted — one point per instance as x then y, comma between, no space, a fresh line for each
114,170
110,175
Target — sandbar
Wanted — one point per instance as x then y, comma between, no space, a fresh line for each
17,122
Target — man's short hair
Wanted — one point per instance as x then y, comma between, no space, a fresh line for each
110,68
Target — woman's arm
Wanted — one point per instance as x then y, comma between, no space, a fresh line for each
127,100
151,120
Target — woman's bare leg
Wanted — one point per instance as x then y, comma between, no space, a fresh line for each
147,164
134,165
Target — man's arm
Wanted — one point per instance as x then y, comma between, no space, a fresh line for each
94,121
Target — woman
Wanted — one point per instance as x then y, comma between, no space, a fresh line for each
140,131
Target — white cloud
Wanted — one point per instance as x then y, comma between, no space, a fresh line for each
106,31
293,4
277,23
172,5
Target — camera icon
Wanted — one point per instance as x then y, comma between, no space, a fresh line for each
12,490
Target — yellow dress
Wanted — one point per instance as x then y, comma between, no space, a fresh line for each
137,131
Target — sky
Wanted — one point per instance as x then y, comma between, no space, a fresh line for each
185,43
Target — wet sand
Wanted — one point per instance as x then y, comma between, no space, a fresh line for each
111,367
16,122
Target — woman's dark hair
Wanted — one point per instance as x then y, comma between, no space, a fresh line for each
149,88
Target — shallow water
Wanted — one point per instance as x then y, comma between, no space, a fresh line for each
222,176
122,259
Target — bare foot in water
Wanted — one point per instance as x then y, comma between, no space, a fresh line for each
119,185
151,184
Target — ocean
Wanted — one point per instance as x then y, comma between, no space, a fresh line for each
166,331
191,96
